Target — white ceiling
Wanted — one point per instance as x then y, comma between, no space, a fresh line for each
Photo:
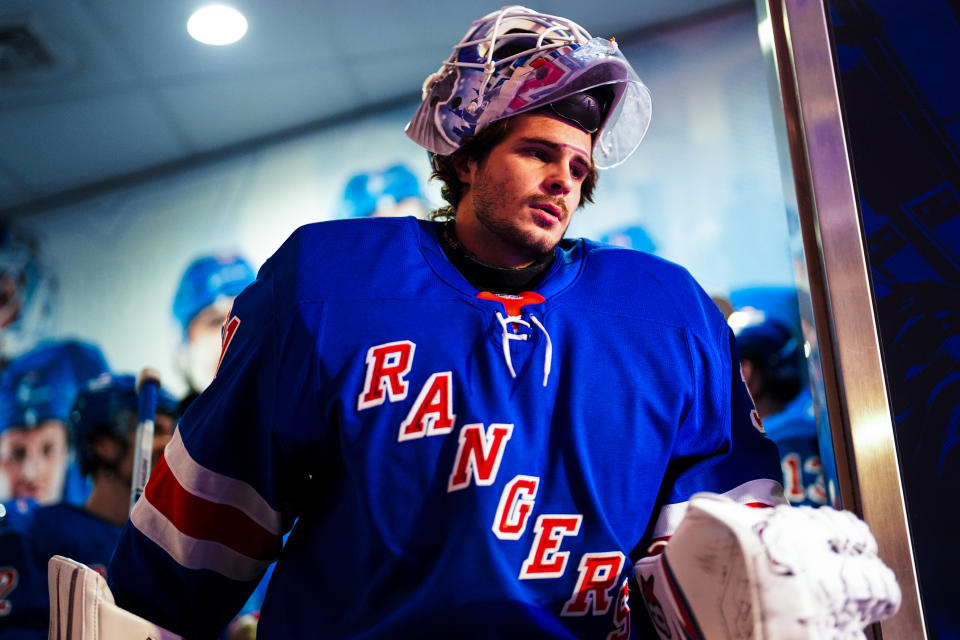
128,93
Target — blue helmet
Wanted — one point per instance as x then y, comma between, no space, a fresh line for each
366,191
774,347
208,279
108,406
42,384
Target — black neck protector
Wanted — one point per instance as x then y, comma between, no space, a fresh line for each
488,277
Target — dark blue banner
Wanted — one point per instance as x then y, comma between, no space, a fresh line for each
900,89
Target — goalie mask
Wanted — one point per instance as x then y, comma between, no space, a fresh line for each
517,60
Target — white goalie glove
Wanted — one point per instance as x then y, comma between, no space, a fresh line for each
82,607
733,572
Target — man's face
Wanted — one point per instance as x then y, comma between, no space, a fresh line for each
34,461
202,351
520,199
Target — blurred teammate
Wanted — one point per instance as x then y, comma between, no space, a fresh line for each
36,393
390,192
102,428
481,427
771,355
201,305
27,294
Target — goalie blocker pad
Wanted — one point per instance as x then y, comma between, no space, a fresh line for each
82,607
784,573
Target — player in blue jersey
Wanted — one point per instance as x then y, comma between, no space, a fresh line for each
102,427
36,393
771,355
482,429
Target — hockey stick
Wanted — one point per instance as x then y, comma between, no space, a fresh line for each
148,385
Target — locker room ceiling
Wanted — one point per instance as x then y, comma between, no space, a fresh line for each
99,93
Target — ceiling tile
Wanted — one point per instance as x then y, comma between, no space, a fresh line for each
281,36
227,111
63,146
84,63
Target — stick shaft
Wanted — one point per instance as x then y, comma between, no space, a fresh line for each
143,447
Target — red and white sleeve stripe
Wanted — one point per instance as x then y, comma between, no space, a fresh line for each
206,520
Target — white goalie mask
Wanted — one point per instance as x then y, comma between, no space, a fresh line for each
516,60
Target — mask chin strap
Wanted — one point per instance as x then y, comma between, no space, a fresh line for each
508,335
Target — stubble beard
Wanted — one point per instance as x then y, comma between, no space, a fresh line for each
487,203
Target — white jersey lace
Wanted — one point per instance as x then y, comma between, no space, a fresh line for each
507,336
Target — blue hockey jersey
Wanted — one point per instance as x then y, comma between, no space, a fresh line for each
794,430
28,538
462,464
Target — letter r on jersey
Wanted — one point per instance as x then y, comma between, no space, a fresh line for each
598,577
387,364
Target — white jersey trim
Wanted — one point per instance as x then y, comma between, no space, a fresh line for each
216,487
763,491
191,552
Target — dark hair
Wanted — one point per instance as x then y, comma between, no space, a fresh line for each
477,148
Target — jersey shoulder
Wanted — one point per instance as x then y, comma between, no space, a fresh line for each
646,286
348,259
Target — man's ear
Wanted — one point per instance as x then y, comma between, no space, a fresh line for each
465,168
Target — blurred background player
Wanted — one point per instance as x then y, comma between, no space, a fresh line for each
391,192
202,303
631,237
774,368
27,294
102,428
36,393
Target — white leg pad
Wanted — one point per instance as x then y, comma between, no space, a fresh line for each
82,607
731,572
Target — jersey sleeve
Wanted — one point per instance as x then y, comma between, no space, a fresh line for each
228,485
721,446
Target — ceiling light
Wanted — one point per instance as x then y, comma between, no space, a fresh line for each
217,24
